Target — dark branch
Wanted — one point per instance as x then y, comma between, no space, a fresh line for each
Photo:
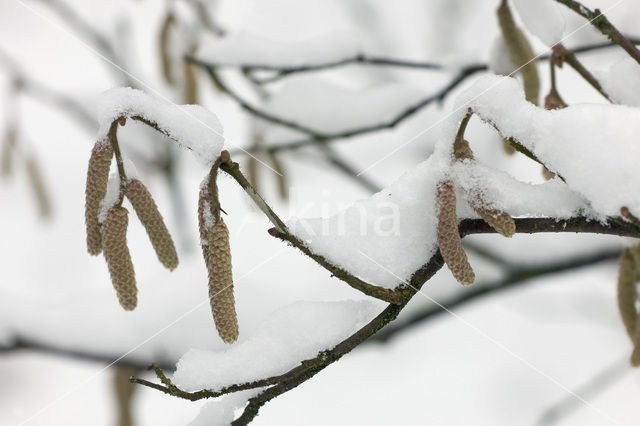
284,71
515,276
570,58
348,170
602,24
24,344
316,137
309,368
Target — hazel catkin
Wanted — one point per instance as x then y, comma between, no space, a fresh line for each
501,221
116,253
214,240
151,219
627,293
96,188
221,282
448,234
520,51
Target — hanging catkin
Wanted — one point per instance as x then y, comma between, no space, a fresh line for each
214,239
36,181
520,51
7,151
221,282
628,277
116,253
501,221
448,234
151,219
165,51
97,177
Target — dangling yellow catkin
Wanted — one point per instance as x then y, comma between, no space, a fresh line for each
520,51
214,239
190,80
116,253
165,51
39,188
502,222
97,177
8,151
151,219
221,282
627,298
448,235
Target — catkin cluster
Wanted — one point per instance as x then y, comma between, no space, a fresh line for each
110,237
447,229
628,277
214,238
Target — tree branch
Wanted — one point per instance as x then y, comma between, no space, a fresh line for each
281,231
317,137
602,24
516,275
310,367
25,344
570,58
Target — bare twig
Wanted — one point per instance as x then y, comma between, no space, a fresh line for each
281,231
347,169
602,24
570,58
320,137
19,344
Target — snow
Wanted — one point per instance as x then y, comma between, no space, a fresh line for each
591,146
500,61
385,238
285,338
622,81
542,18
499,190
70,286
337,108
110,197
191,126
396,227
251,49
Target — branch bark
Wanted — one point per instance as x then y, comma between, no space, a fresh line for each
310,367
602,24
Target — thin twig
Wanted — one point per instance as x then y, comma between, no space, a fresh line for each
570,58
602,24
347,170
319,137
281,231
18,344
